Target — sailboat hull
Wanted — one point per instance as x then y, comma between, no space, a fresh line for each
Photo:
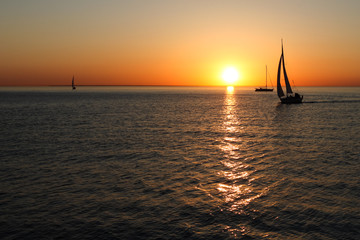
263,89
291,99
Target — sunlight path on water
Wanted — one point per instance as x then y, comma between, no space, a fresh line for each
237,190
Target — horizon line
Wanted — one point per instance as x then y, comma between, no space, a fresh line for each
147,85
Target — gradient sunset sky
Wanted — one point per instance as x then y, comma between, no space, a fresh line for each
178,42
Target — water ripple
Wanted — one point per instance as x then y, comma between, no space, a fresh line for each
178,164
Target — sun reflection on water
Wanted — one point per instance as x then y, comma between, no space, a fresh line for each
230,89
237,190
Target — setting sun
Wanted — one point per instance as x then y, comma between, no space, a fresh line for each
230,75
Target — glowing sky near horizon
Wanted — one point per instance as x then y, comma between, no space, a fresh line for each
168,42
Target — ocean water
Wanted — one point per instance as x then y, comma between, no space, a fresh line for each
178,163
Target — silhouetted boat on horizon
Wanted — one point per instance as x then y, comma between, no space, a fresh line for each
264,89
290,96
73,83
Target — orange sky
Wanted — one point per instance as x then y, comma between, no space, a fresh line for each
160,42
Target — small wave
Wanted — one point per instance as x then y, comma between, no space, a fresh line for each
334,101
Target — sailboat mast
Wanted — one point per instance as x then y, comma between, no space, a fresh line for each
266,76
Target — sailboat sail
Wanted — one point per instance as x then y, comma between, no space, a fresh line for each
280,92
288,87
73,83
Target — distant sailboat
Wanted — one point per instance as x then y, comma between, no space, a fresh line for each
290,97
264,89
73,83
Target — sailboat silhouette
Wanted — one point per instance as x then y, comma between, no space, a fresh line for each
73,83
290,96
266,89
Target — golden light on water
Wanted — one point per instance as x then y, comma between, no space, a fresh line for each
230,89
237,191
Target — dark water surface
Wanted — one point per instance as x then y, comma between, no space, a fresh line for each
178,163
